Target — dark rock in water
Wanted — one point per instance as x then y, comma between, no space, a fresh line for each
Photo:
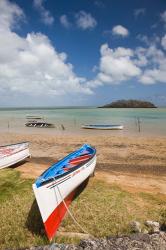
156,241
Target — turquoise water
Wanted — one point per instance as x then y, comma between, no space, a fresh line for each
153,121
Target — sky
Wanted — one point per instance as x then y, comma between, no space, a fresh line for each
86,52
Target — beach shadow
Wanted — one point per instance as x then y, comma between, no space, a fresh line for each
157,170
81,188
43,160
34,221
18,164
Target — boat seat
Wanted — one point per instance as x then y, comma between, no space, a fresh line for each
80,159
68,167
85,155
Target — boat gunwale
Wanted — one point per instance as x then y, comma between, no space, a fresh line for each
13,144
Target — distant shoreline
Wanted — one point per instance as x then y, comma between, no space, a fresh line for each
58,107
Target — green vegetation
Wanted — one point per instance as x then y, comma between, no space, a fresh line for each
11,184
101,209
129,104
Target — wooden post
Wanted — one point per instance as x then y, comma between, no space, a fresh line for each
8,126
139,124
63,128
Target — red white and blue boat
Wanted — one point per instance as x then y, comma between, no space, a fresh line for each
56,187
13,153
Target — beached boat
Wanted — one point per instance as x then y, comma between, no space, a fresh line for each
55,188
104,127
13,153
39,124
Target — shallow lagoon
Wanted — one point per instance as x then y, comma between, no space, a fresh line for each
153,121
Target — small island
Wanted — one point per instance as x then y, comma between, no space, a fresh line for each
129,104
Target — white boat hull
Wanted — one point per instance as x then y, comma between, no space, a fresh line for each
112,127
50,196
12,154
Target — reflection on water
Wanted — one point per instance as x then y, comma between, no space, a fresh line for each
69,120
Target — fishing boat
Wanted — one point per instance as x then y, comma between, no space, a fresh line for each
104,127
13,153
39,124
36,117
55,188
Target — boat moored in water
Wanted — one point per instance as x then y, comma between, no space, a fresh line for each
103,127
13,153
36,117
55,188
39,124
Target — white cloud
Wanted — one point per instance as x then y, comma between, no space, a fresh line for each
155,70
115,66
120,31
139,12
146,79
85,20
64,21
141,59
46,16
148,40
154,55
146,65
143,38
154,75
163,16
31,65
9,15
163,42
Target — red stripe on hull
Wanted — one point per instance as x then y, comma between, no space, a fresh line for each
54,220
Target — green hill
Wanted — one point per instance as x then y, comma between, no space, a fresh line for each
129,104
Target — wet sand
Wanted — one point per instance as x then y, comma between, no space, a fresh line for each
134,163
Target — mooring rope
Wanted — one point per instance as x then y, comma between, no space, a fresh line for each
68,210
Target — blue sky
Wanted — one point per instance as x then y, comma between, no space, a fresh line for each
86,52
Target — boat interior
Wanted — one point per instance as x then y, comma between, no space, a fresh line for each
67,165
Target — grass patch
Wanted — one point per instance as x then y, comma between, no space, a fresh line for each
105,210
101,209
154,199
11,184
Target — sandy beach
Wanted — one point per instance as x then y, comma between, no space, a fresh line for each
135,163
129,184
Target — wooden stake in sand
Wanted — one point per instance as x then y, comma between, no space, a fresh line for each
8,126
63,128
139,124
